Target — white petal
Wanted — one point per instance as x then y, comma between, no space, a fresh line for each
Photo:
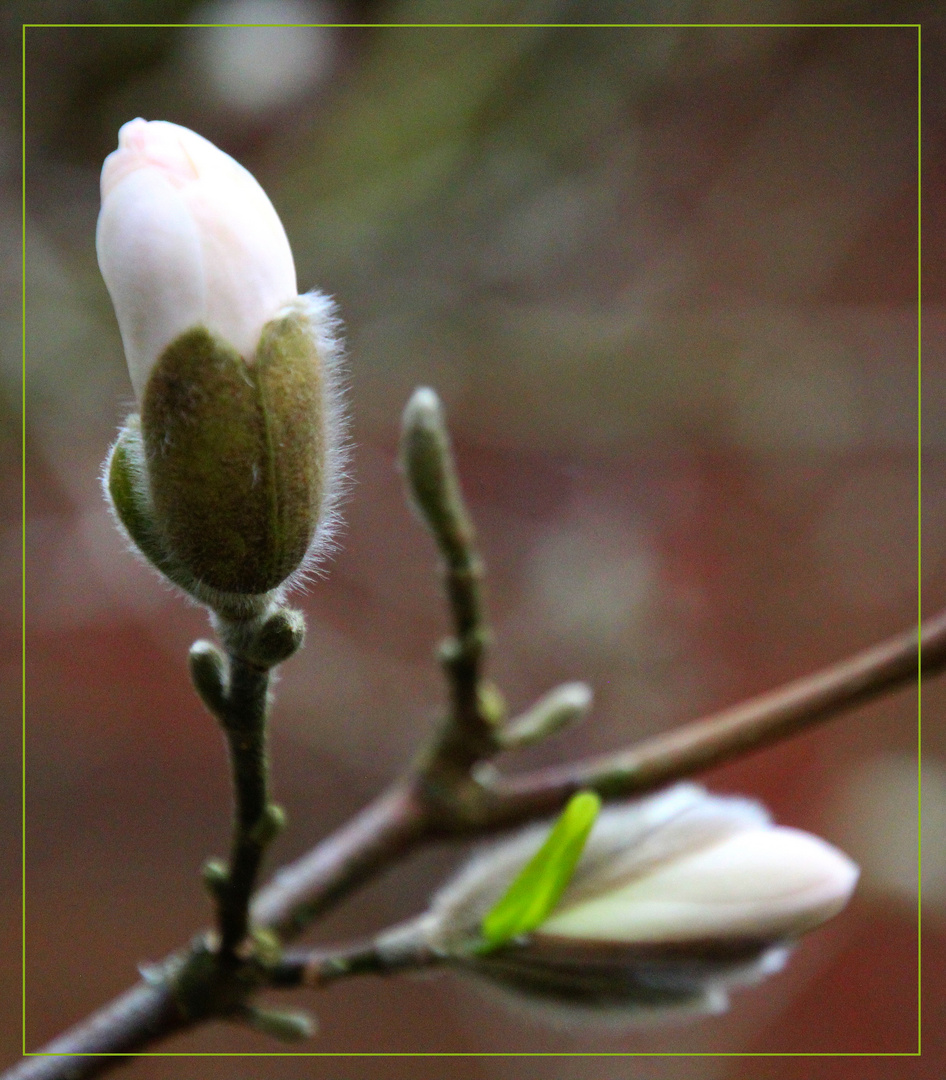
147,145
631,839
760,883
248,263
152,261
186,236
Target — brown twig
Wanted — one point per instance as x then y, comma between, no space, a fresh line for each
748,726
244,723
399,821
407,948
141,1016
387,828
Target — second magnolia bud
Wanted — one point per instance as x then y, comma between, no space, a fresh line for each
674,899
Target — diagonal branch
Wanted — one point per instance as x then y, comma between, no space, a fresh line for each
400,821
385,830
133,1021
749,726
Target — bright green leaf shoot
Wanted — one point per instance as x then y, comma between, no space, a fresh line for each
529,900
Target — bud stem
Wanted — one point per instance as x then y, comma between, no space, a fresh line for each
401,948
244,723
469,735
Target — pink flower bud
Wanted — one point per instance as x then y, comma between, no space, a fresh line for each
228,480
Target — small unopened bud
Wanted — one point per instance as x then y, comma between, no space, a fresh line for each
267,948
209,675
216,876
560,708
271,823
285,1026
492,704
228,482
674,899
278,638
428,463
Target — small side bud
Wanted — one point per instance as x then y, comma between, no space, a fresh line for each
271,823
492,704
285,1026
267,947
432,478
154,974
216,876
560,708
209,674
278,638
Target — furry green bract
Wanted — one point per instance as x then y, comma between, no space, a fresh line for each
235,454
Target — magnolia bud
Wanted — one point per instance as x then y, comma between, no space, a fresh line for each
228,481
674,899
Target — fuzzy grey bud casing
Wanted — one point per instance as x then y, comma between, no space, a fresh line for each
228,480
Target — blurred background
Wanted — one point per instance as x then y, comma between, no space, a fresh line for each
665,281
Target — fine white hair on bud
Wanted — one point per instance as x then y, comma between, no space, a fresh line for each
187,237
229,481
674,899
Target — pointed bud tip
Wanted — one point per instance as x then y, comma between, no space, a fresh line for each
574,695
423,416
424,405
427,462
560,708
